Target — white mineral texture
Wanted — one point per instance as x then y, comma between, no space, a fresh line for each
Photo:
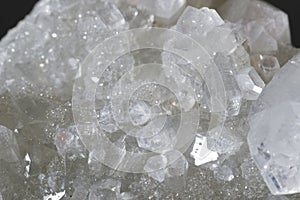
162,116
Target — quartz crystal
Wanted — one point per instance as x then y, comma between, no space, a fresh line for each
141,99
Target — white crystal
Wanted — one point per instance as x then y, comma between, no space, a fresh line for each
274,21
274,145
170,168
106,119
165,11
224,173
250,83
176,170
208,28
140,112
260,41
266,66
156,167
198,22
232,90
161,141
274,125
67,139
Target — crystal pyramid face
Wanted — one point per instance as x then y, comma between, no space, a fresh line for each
137,99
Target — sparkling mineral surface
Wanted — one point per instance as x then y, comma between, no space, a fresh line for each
140,99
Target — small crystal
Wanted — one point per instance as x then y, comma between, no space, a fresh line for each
165,11
105,189
139,112
224,173
176,170
156,167
67,140
266,66
161,141
250,83
224,143
233,92
106,119
198,22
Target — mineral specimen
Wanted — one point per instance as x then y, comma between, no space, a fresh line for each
140,99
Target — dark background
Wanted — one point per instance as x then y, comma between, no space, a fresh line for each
12,11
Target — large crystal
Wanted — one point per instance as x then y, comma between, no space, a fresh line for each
273,137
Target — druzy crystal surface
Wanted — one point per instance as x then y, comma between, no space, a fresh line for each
139,99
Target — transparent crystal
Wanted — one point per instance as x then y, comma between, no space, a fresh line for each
160,141
273,133
67,140
224,173
106,119
140,112
250,83
266,66
225,142
232,90
165,12
156,167
274,143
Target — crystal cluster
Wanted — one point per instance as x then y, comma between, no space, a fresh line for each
203,106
